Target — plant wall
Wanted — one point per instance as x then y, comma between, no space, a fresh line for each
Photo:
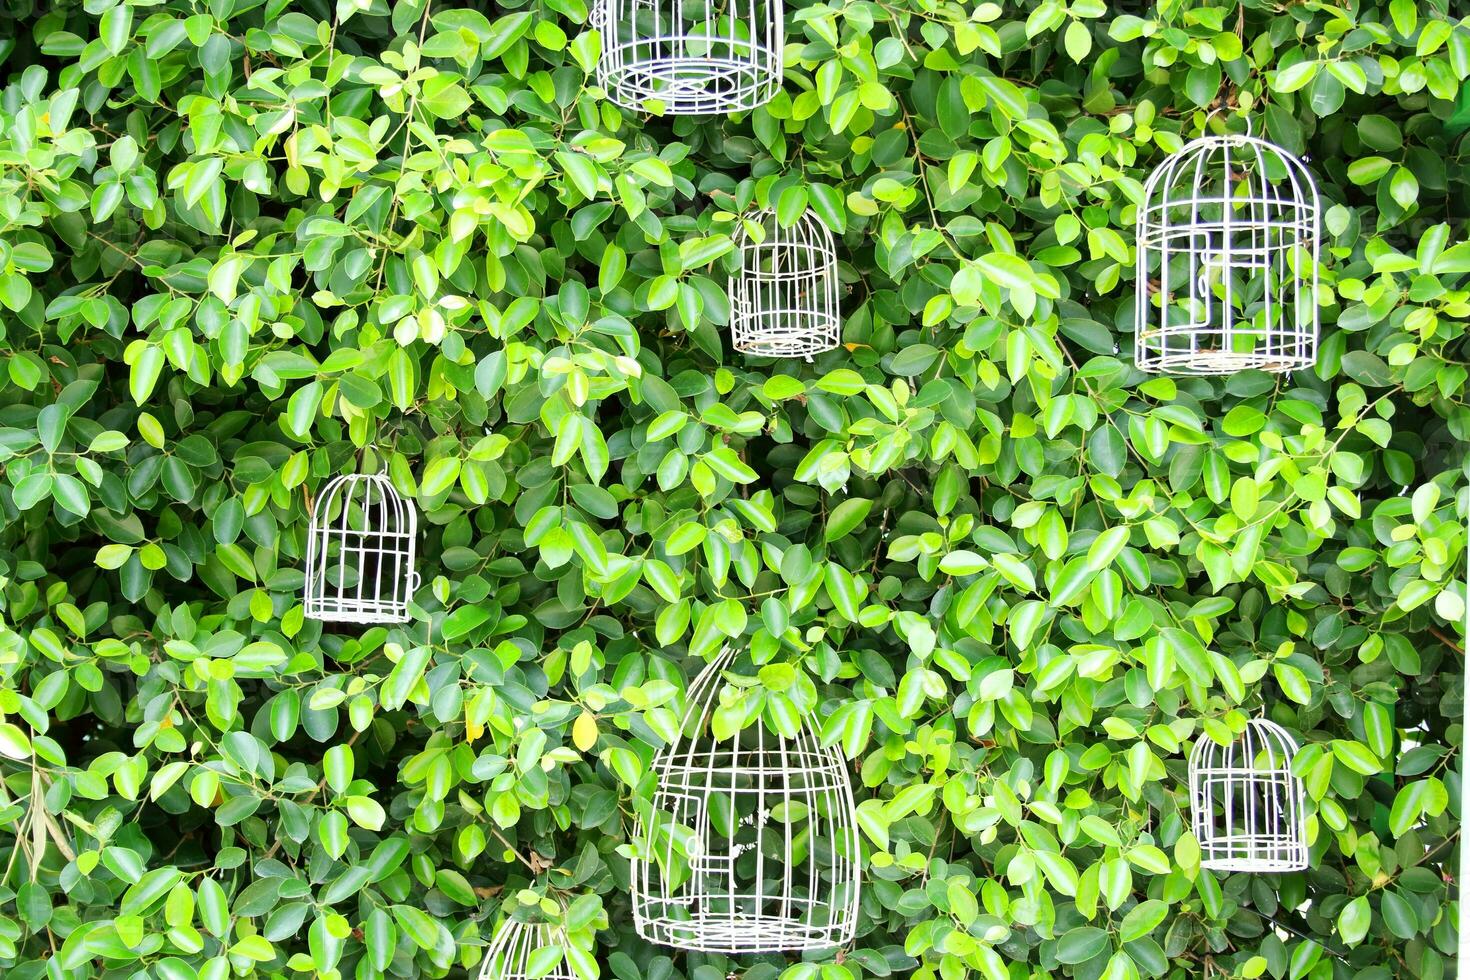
246,246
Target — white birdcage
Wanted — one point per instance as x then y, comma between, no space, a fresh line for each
1227,249
752,845
1248,808
694,56
783,298
360,552
509,955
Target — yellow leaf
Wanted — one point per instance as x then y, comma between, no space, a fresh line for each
584,731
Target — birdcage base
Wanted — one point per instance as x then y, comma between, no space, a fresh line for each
714,83
356,611
1253,857
1220,362
753,337
719,933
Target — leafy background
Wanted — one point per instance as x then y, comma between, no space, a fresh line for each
245,246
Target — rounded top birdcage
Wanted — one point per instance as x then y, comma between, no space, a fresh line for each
783,295
1228,244
360,554
1248,808
751,843
509,955
694,56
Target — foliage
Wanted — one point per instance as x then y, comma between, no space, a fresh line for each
246,245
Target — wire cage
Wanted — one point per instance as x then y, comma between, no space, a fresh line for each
752,842
509,955
1227,249
695,56
783,298
1248,808
360,552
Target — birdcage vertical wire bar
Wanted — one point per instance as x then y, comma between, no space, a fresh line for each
361,546
1248,809
752,846
1228,245
783,295
696,57
509,955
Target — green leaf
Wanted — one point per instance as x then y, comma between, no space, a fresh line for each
1295,76
1081,944
846,517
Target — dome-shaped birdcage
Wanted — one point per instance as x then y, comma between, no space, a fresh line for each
752,842
783,297
1248,808
510,954
1227,249
360,552
694,56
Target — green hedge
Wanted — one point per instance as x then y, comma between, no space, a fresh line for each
246,246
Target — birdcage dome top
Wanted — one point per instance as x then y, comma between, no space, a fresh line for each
509,955
1263,745
807,231
1263,180
374,493
696,744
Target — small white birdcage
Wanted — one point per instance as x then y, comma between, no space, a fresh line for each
1227,249
694,56
783,298
752,845
360,552
1248,808
509,955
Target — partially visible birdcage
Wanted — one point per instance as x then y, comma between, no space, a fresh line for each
783,297
1248,807
694,56
751,845
1227,250
510,954
360,552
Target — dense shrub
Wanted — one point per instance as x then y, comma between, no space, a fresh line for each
246,246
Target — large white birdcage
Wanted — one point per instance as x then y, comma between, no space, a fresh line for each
510,954
1248,808
694,56
783,297
1227,252
752,842
360,552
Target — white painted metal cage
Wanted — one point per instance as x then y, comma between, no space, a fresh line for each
752,842
510,952
1248,808
1227,250
360,552
783,298
694,56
